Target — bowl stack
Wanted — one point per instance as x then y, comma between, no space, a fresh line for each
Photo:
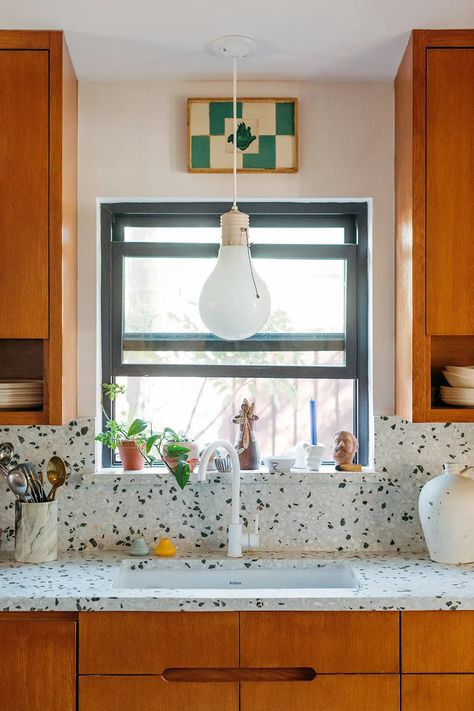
460,391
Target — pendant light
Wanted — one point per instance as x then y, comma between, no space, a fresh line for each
234,303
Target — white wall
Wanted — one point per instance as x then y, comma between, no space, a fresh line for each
132,139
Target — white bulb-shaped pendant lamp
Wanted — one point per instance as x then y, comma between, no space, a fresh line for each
234,301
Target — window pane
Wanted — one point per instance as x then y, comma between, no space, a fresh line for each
258,235
203,407
162,295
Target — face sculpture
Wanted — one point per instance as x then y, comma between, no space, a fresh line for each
344,447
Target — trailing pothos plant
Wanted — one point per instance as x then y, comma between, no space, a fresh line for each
117,432
176,455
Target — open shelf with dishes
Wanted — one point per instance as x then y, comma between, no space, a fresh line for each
452,378
22,381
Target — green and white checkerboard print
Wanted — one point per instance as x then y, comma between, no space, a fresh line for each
266,138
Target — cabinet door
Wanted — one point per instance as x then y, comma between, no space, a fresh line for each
39,670
438,641
150,642
328,692
328,642
24,190
143,693
449,191
438,692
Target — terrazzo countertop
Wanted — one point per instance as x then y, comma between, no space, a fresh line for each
85,582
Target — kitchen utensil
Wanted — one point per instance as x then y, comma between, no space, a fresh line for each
34,487
18,483
56,473
36,532
6,454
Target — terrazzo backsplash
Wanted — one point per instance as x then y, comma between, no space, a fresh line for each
318,512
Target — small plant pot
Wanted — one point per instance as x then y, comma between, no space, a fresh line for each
192,456
132,459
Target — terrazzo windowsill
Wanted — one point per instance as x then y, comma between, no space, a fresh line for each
84,582
159,475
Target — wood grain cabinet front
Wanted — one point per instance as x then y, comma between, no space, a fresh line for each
328,692
39,662
438,642
328,642
38,215
434,184
437,692
151,642
153,693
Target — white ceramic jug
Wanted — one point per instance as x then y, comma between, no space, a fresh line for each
446,508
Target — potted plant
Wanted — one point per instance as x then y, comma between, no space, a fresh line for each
178,452
132,440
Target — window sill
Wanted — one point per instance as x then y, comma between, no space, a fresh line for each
158,475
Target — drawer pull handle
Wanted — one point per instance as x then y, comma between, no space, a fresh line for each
226,674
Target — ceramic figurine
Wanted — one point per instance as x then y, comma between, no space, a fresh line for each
314,456
344,447
245,443
446,508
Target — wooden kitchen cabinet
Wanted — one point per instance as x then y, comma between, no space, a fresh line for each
39,662
434,179
438,642
143,693
345,692
328,642
38,184
437,692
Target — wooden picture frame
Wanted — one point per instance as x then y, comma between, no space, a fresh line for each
267,139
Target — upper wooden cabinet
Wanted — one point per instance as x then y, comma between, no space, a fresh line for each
434,177
38,178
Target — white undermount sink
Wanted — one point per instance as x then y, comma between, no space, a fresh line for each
238,582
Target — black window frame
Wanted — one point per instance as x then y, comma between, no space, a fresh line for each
352,216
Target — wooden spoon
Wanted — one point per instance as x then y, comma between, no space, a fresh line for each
56,473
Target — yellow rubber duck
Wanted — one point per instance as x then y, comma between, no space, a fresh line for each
165,548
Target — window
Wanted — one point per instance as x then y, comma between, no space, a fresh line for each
313,256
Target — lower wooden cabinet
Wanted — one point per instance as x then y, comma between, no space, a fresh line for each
38,653
150,693
328,692
231,661
437,692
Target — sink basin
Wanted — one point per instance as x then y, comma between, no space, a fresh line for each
238,582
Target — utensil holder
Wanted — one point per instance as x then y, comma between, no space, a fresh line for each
36,532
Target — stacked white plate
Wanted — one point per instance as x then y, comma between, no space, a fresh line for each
20,394
460,391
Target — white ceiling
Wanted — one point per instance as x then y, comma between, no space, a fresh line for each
297,39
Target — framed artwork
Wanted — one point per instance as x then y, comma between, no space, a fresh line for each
267,135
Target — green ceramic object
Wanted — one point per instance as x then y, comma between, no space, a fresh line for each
139,547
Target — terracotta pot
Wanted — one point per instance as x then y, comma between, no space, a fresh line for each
132,459
192,456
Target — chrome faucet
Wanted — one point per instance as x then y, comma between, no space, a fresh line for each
237,540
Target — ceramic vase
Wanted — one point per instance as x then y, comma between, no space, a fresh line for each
36,532
314,456
131,457
446,508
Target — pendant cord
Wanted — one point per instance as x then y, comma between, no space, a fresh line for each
245,229
234,113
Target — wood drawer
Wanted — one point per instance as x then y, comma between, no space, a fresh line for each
144,693
349,692
150,642
329,642
438,642
438,692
